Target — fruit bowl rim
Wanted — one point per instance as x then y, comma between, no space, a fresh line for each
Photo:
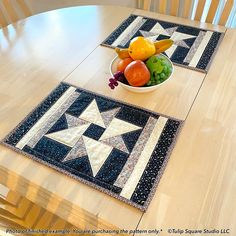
147,87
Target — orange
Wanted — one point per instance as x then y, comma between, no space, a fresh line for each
123,63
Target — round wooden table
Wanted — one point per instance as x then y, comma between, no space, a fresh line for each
198,188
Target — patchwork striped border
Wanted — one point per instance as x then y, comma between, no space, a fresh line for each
139,162
127,22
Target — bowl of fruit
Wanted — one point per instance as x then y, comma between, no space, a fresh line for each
141,68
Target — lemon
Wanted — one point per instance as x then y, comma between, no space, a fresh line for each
141,48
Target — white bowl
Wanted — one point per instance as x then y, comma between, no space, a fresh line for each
113,69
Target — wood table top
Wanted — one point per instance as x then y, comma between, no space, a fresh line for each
198,188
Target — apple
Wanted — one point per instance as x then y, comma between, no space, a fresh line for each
137,73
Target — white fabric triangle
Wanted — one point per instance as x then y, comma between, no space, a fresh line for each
118,127
92,114
97,153
153,38
158,29
177,36
69,136
108,116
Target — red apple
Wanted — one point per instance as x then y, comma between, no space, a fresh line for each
137,74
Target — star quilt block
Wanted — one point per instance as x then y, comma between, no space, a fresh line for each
193,47
115,147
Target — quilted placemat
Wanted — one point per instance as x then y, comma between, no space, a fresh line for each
193,47
115,147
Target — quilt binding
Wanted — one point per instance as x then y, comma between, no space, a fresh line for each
101,189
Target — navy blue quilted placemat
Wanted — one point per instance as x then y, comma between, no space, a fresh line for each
114,147
193,47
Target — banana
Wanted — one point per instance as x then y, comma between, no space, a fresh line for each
163,45
122,53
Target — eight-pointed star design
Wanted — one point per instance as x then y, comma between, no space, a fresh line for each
176,36
81,145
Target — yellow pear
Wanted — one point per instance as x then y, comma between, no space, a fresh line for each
141,48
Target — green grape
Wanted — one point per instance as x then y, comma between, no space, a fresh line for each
163,76
152,79
160,71
164,63
165,69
